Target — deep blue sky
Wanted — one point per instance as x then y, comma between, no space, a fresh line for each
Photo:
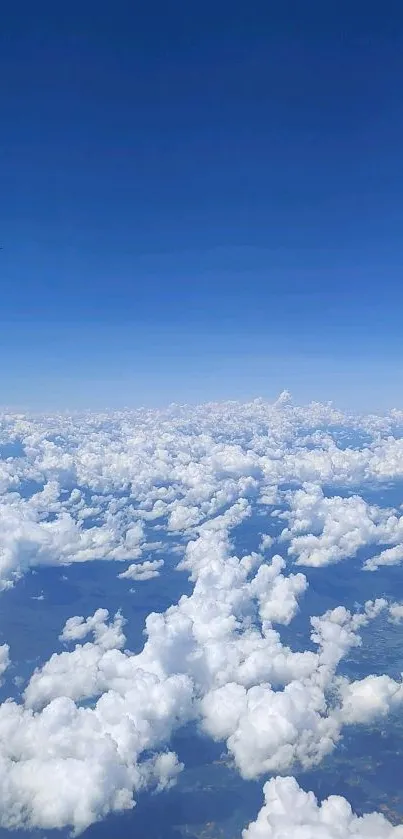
201,201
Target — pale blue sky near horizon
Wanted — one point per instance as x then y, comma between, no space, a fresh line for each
201,203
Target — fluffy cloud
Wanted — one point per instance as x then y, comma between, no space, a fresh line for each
270,730
93,726
4,658
203,659
390,556
324,530
206,658
84,486
291,813
143,570
276,594
396,612
44,530
62,763
106,636
366,699
70,765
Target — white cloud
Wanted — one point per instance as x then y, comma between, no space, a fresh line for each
366,699
143,570
390,556
326,530
270,730
64,764
291,813
107,636
28,537
4,658
396,612
276,594
70,765
78,745
100,477
204,658
266,542
194,648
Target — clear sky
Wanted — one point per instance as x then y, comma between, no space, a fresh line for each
201,201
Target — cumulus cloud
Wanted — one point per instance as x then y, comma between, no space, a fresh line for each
95,720
276,594
270,730
366,699
85,486
4,658
390,556
396,612
108,636
62,763
203,659
323,530
143,570
291,813
266,542
71,766
42,530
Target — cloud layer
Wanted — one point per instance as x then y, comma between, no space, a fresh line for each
93,725
92,716
86,487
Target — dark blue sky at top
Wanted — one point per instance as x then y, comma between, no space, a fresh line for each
189,184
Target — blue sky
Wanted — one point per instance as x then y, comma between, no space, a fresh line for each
201,202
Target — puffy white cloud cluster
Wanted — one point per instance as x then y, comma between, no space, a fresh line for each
323,530
271,729
91,717
143,570
291,813
396,612
106,636
366,699
390,556
94,722
86,484
45,530
65,763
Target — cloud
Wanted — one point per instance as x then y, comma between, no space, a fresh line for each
366,699
390,556
95,720
42,530
291,813
4,658
266,542
71,766
136,701
66,764
87,485
91,716
143,571
276,594
396,612
107,636
270,730
325,530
